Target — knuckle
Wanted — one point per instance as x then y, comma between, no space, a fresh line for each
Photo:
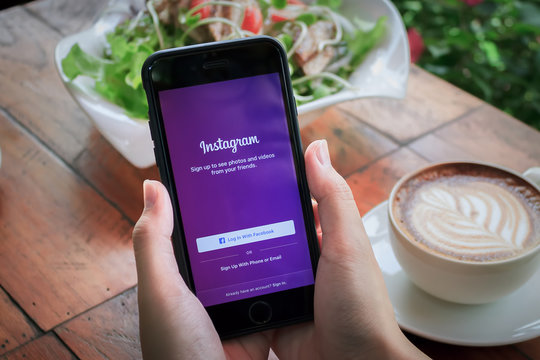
141,229
342,191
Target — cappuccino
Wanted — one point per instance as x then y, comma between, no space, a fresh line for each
469,213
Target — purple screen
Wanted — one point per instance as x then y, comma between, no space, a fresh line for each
237,189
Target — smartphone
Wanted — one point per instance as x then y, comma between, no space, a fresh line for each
226,140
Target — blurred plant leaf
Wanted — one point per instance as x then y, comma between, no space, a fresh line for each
492,54
529,13
78,62
438,50
524,28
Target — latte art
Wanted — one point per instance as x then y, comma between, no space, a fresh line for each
472,220
466,232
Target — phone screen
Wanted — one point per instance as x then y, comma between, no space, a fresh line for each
237,188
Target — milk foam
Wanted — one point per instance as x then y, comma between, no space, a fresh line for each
473,220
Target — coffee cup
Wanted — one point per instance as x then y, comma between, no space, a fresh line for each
466,232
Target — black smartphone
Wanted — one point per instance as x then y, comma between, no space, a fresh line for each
226,140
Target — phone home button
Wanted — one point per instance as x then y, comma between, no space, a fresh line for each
260,312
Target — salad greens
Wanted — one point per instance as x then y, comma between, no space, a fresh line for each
323,47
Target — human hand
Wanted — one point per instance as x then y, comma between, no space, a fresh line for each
354,318
353,314
173,323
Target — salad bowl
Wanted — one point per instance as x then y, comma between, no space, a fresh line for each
383,73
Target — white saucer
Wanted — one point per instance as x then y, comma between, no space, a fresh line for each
512,319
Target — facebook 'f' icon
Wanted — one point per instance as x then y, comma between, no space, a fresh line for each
222,240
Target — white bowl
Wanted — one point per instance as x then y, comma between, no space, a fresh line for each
383,73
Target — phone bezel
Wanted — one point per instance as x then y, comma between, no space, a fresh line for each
166,70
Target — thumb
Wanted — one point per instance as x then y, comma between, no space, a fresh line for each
338,213
173,323
152,245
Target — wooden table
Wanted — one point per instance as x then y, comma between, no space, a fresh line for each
68,200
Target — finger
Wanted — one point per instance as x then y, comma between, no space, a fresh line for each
154,253
337,209
252,346
173,323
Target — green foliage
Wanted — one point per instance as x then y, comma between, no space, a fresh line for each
78,62
307,18
117,73
332,4
363,41
279,4
491,50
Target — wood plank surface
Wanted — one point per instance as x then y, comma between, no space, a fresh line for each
372,185
27,71
67,16
530,348
31,89
118,180
430,103
110,331
46,347
64,248
15,328
352,143
486,134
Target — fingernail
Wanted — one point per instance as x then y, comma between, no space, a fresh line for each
323,154
149,191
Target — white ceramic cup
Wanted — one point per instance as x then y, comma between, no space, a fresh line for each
458,280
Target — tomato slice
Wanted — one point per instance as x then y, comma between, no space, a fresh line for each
277,17
252,19
204,11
